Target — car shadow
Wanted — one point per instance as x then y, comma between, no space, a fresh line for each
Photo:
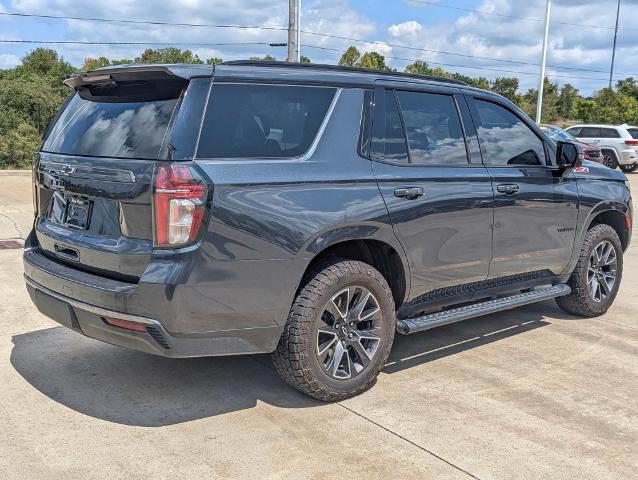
133,388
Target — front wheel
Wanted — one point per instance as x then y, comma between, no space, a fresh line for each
339,331
597,275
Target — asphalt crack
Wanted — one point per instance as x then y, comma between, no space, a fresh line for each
12,222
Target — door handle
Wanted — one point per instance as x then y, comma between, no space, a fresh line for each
508,188
409,192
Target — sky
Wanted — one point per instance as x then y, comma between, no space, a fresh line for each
507,35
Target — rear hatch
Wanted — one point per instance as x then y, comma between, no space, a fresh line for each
94,175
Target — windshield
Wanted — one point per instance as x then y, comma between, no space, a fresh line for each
556,133
110,129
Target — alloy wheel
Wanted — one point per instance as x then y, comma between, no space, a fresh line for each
601,272
349,332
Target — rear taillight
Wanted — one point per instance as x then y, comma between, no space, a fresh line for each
179,202
631,142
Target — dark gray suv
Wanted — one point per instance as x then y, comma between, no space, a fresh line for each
309,211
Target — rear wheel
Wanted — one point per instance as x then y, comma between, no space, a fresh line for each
597,275
629,168
611,159
339,332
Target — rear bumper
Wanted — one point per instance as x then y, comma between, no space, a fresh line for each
628,156
88,320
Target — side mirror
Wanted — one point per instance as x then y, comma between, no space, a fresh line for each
568,155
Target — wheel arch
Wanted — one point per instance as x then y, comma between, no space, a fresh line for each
613,215
388,259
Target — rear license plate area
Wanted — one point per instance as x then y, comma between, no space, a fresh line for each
78,212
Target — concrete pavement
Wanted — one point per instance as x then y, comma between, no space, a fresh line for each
529,393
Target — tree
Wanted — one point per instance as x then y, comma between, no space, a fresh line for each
94,63
615,107
419,67
167,55
18,145
350,57
628,86
372,60
586,110
507,87
213,61
304,59
266,58
567,101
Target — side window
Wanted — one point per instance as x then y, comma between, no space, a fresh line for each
505,139
575,131
433,128
262,121
388,141
590,132
609,133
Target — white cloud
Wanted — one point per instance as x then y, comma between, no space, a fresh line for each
8,60
406,28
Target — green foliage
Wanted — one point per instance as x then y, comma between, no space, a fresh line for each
167,55
507,87
586,110
567,101
18,146
304,59
350,57
268,58
213,61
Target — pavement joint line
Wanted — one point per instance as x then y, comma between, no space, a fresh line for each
401,437
409,441
619,324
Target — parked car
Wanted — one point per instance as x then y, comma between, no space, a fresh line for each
309,211
619,142
590,152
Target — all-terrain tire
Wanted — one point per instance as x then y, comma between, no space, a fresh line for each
296,358
579,301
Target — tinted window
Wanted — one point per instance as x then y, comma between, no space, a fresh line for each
590,132
392,145
110,129
575,131
433,129
609,133
633,132
262,121
505,139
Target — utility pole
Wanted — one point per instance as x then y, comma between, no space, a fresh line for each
613,53
541,83
294,14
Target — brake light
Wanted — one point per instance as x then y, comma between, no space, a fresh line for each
631,142
179,202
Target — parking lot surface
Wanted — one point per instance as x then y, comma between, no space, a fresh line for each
527,393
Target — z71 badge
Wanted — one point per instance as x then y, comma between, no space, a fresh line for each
581,170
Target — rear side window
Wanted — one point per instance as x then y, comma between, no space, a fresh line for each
388,141
433,128
609,133
633,132
131,129
505,139
575,131
262,121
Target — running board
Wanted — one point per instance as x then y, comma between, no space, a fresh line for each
413,325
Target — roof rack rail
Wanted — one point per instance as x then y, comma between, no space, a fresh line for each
340,68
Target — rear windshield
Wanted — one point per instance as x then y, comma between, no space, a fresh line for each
633,132
110,129
262,121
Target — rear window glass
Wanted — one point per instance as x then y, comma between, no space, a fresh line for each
633,132
110,129
262,121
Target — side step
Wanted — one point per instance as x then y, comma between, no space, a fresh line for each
413,325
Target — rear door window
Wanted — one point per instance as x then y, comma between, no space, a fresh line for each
433,128
132,129
262,121
590,132
609,133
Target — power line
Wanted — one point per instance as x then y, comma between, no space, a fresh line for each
443,52
188,44
284,28
517,72
145,22
531,19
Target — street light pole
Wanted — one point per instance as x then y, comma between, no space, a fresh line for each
613,53
541,83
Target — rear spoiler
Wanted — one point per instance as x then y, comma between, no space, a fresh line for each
112,75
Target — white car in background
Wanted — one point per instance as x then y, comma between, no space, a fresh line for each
618,142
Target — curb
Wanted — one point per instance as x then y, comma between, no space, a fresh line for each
15,173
